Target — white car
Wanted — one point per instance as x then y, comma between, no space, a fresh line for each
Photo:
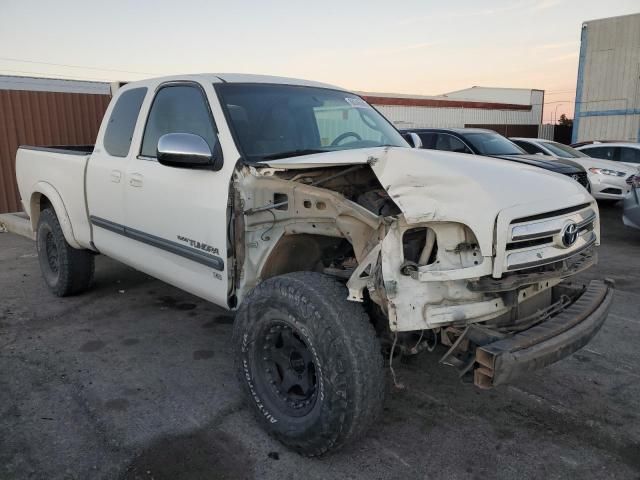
627,153
608,178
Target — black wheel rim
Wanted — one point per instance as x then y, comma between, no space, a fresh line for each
289,369
52,252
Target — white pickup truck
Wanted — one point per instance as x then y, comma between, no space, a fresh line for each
302,208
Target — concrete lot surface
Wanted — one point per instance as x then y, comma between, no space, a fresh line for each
135,380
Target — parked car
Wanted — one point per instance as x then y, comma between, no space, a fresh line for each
301,207
631,206
608,179
590,142
624,152
541,146
478,141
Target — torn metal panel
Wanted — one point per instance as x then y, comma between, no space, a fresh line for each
276,208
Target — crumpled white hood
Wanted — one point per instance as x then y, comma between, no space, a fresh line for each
430,185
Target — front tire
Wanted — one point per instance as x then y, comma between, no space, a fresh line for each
66,270
309,361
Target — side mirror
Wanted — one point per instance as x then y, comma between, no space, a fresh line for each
414,140
185,150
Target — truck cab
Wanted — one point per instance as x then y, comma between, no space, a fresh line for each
340,247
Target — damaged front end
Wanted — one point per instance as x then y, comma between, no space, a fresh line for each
499,286
501,315
435,255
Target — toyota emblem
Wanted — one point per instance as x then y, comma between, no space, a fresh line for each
569,234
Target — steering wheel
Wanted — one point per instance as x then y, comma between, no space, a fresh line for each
341,137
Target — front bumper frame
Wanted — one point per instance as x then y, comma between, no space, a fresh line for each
505,359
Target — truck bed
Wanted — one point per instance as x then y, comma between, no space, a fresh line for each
57,173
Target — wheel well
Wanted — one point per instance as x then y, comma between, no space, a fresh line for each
319,253
39,202
303,252
44,202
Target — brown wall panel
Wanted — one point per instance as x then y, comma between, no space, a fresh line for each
42,119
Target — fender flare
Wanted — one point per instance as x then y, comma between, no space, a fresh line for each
44,189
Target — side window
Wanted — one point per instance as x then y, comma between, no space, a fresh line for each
178,109
122,122
450,144
428,140
458,145
606,153
529,147
630,155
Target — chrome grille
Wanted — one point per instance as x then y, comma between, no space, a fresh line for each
543,240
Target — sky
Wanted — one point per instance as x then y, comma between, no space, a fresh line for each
417,47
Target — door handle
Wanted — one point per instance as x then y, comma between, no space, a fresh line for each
116,175
135,179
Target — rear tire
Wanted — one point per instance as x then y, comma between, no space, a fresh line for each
310,362
66,270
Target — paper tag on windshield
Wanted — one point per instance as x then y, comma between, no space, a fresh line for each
356,102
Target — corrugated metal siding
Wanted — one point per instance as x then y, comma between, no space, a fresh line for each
423,117
546,131
493,94
608,93
42,118
537,106
610,127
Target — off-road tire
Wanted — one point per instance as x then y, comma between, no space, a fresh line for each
349,373
66,270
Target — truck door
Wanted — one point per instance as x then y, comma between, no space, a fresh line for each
105,177
177,217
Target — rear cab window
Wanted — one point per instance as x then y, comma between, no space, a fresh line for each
122,122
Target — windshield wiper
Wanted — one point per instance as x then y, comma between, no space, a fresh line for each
293,153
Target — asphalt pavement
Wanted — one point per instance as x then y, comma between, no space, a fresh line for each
135,379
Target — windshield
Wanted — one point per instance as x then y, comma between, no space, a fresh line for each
564,151
276,121
487,143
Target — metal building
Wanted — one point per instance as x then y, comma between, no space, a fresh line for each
44,111
608,88
510,111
